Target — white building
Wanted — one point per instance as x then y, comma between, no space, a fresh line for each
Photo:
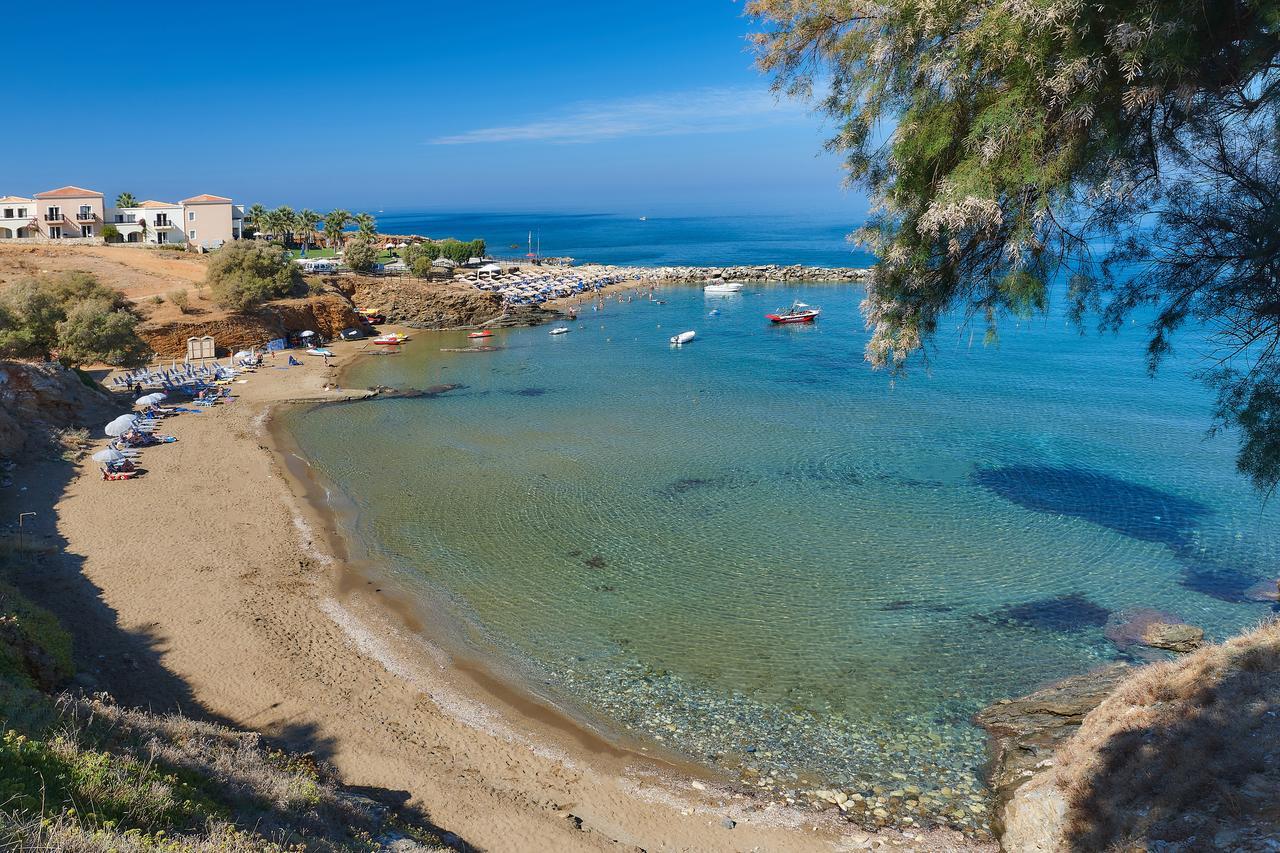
200,222
17,215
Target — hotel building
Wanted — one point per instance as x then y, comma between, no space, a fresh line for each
77,214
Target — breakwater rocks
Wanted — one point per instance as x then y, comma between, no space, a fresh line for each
756,272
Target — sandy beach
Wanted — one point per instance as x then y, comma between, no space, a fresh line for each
216,587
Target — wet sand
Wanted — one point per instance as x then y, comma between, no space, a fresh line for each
226,558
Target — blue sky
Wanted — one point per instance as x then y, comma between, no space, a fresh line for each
619,107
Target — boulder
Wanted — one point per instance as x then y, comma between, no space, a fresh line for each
1034,820
1264,591
1146,626
1176,637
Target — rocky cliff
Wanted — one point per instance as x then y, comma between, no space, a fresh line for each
39,399
327,314
1177,756
431,305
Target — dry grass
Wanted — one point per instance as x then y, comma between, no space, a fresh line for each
1185,752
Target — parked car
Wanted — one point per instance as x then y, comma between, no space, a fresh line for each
351,334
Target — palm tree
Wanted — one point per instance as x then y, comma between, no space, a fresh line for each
367,224
284,222
126,200
334,224
306,222
258,218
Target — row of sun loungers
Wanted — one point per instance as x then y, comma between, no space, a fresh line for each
526,289
178,379
197,387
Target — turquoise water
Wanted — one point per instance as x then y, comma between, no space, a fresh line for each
773,557
658,240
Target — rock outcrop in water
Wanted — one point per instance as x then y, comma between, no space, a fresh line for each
1025,732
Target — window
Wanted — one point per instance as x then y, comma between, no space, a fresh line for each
162,237
86,230
162,220
53,215
55,232
85,211
191,216
22,213
8,213
193,233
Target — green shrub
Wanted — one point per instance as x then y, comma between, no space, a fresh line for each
244,273
360,255
72,314
182,300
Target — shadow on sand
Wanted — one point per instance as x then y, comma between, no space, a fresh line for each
126,664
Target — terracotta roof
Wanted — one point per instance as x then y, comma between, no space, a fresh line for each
69,192
152,203
15,199
203,199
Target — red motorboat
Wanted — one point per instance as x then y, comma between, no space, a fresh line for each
797,313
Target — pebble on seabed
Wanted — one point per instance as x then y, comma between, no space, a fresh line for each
905,772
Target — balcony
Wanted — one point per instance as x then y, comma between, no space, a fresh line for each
54,217
86,217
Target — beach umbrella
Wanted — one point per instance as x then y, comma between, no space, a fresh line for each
120,425
108,456
149,399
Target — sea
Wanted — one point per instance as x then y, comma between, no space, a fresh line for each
759,551
811,240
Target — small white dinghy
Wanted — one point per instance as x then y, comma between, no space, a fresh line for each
560,330
683,338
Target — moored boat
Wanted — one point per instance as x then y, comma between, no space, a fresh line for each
483,333
560,330
723,287
683,338
797,313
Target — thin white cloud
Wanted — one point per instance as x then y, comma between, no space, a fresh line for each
668,114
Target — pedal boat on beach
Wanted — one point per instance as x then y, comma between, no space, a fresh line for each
390,339
723,287
797,313
483,333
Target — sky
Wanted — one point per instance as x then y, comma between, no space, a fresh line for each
616,107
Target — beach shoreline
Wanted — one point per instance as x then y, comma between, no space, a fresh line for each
271,627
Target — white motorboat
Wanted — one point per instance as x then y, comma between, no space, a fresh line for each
683,338
560,330
723,287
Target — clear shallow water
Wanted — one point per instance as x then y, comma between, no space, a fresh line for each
659,241
765,553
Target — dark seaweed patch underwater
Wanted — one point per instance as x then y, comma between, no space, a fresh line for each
1130,509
